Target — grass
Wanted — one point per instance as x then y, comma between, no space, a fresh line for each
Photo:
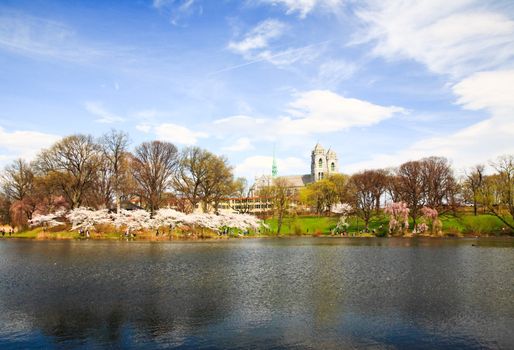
462,224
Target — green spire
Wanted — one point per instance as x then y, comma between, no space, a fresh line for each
274,169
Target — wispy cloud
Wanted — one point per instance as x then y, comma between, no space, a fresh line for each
259,37
470,43
304,7
34,36
103,115
456,37
178,10
257,46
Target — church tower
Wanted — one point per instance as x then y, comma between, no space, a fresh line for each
332,163
318,163
323,163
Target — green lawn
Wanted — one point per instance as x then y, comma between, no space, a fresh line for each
461,224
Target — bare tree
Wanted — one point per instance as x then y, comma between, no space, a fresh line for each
439,183
410,183
18,187
192,173
473,182
364,191
153,165
114,149
72,164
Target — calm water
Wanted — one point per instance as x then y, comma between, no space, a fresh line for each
282,293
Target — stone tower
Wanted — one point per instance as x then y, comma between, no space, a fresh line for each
323,163
332,164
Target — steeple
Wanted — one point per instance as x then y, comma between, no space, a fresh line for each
274,169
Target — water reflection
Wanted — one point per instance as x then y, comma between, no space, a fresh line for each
301,293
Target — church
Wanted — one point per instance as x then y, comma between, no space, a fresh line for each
323,164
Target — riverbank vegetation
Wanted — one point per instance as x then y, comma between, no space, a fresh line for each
82,187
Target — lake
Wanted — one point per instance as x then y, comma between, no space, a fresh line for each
302,293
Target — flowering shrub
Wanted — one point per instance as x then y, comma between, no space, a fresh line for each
86,218
398,217
431,216
133,219
344,209
48,220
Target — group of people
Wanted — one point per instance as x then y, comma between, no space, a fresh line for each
10,231
83,233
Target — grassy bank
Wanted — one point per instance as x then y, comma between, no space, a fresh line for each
460,225
457,226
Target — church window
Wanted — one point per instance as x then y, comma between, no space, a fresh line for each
320,163
333,167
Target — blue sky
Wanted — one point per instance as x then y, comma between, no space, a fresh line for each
381,82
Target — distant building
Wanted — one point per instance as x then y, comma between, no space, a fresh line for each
323,164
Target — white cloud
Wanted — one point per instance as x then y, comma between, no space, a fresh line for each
178,134
255,46
178,9
23,143
476,143
474,45
104,116
312,112
259,37
34,36
488,90
450,37
259,165
333,72
304,7
241,144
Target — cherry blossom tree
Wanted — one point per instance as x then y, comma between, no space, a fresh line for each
398,217
48,220
86,218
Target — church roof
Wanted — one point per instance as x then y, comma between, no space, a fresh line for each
298,180
331,152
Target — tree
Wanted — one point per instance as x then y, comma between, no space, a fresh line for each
378,185
114,149
340,182
439,183
474,179
321,195
72,163
192,174
153,166
498,190
18,188
218,182
410,184
18,180
281,195
364,191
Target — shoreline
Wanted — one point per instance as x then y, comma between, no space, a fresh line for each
71,237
